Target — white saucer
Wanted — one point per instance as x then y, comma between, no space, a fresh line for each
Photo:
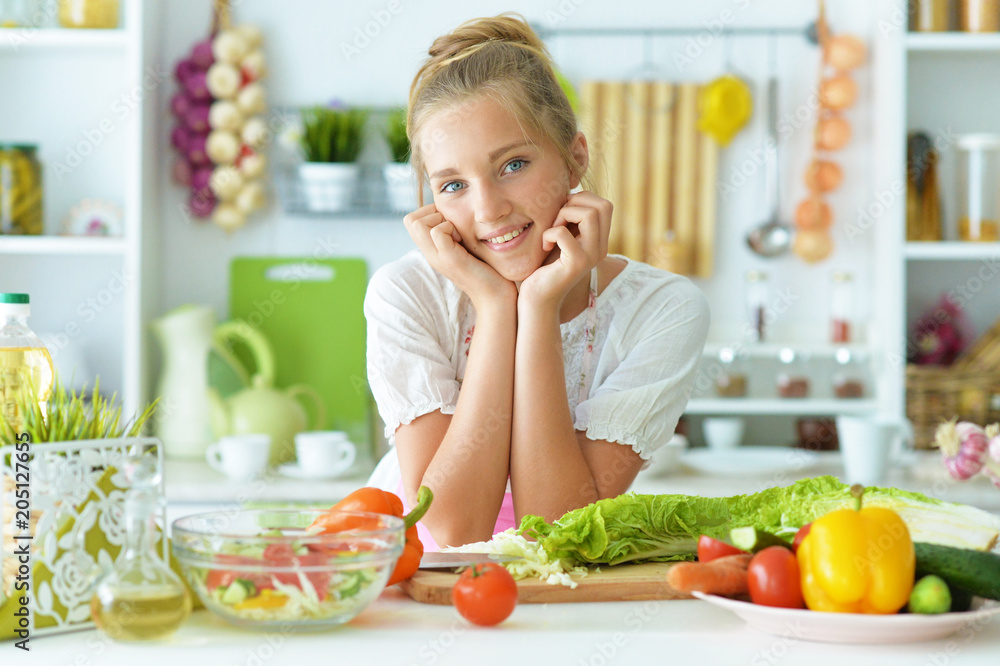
294,471
749,460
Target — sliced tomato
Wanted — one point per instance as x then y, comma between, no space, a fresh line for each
773,578
711,549
799,536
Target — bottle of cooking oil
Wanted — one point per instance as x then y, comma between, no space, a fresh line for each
140,599
25,364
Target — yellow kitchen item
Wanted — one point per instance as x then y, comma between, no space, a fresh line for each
724,107
20,190
857,561
101,14
25,364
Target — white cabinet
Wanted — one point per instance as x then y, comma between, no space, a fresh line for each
87,99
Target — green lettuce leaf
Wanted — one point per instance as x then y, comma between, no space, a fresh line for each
635,527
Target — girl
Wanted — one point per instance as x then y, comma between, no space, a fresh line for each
518,367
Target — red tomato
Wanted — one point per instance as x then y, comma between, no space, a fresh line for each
773,578
485,594
710,549
799,536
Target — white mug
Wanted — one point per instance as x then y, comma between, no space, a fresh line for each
240,456
869,443
324,452
723,432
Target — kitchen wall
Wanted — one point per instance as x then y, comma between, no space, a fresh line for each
304,42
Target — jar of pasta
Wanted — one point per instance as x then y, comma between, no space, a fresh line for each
978,181
20,190
88,13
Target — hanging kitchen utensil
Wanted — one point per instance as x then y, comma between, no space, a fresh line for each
664,249
772,238
726,104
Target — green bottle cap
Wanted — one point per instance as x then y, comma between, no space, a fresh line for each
13,298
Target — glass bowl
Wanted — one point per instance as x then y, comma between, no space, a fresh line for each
262,568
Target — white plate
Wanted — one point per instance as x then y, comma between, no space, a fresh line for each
853,627
750,460
294,471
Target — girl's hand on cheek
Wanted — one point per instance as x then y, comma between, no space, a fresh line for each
576,242
441,244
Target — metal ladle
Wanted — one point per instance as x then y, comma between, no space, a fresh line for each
771,238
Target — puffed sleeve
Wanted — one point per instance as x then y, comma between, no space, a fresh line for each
409,369
655,349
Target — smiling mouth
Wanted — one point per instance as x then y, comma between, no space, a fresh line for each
508,236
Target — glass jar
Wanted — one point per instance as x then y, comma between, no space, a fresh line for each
102,14
756,294
930,15
849,375
20,190
841,307
732,380
793,382
979,15
978,181
18,13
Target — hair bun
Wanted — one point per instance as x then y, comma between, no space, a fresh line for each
506,27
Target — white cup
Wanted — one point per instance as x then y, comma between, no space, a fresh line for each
324,452
723,432
869,443
240,456
666,457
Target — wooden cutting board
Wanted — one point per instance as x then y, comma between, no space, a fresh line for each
625,582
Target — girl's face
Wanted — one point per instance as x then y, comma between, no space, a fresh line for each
499,191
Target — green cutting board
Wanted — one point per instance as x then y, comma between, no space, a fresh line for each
311,311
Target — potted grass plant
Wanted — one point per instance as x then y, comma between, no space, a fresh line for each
76,440
331,140
400,179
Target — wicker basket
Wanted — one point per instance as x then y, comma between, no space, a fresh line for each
936,394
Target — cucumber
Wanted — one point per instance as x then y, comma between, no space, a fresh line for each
930,596
238,592
974,571
753,540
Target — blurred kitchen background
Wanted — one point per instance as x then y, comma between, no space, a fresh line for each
99,107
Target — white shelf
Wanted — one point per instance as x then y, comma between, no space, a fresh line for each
950,250
15,40
54,245
935,42
805,406
773,349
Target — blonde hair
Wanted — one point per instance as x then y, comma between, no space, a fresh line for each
502,58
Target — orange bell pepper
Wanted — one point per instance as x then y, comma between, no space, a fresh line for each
376,500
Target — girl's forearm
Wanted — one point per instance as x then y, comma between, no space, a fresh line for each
548,473
468,473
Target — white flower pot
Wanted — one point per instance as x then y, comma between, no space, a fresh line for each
401,186
328,187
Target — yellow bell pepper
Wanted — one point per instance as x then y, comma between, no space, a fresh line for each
857,561
266,599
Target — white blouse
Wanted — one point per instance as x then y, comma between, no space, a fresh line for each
650,330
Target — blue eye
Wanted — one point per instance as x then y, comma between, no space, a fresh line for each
445,186
524,162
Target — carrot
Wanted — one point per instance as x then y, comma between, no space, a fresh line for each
725,576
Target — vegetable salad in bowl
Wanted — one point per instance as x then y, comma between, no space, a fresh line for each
266,568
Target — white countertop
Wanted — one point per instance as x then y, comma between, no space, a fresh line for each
396,630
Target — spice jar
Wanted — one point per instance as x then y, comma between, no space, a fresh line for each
100,14
930,15
978,182
18,13
849,376
792,379
732,380
841,307
756,293
979,15
20,190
